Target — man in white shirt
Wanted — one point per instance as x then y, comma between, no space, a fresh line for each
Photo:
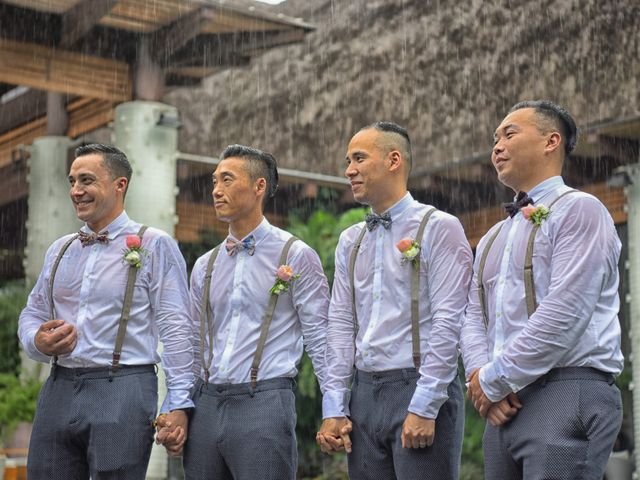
255,301
541,337
396,316
103,299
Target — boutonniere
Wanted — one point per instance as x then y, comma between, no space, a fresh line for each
409,249
535,214
284,277
133,254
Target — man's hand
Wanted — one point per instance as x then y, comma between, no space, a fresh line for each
334,435
503,411
172,431
56,337
417,431
476,395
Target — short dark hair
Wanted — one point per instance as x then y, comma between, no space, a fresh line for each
559,118
390,127
114,159
260,165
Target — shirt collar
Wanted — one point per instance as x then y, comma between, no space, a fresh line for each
400,206
258,233
114,228
543,189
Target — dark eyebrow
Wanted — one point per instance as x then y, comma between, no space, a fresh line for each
505,128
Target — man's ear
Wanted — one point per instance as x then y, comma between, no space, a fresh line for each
394,157
121,184
261,186
554,141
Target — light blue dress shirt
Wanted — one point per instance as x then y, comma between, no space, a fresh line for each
575,265
89,292
239,295
383,304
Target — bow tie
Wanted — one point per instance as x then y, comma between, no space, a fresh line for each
248,244
373,220
522,200
87,239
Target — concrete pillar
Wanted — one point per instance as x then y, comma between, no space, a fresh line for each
51,214
630,175
147,133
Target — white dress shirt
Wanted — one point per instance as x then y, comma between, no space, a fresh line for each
89,292
239,295
383,306
575,265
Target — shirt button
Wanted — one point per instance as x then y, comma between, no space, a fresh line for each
498,315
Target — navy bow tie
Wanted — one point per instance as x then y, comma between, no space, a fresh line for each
248,244
522,200
373,220
87,239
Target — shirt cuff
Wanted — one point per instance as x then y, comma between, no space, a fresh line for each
494,385
426,403
32,350
335,404
176,400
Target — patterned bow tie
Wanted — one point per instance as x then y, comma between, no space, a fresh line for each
87,239
373,220
522,200
248,244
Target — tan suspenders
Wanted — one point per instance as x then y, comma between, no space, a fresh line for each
415,290
126,306
529,286
205,317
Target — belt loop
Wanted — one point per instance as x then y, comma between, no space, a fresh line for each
54,366
252,390
155,367
405,376
110,374
612,379
543,380
355,377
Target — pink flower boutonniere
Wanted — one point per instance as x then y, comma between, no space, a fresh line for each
134,252
284,277
535,214
409,249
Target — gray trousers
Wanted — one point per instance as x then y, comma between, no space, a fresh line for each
86,425
566,429
379,403
239,434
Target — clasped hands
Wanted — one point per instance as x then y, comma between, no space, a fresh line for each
497,413
172,429
333,437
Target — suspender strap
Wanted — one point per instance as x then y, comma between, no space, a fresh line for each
54,270
126,309
415,291
266,322
352,269
206,317
529,285
482,296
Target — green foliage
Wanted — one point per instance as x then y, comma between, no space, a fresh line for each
13,297
321,232
472,458
17,402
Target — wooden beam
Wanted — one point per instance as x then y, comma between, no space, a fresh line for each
168,40
63,71
22,109
81,18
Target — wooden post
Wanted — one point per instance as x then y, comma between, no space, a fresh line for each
148,82
57,117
